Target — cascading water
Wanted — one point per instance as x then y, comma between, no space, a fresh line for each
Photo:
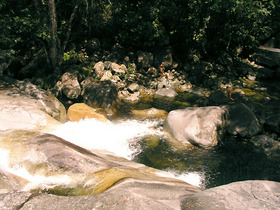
121,138
144,141
115,137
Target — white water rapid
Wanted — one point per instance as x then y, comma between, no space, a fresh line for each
117,137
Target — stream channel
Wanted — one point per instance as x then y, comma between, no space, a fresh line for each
231,160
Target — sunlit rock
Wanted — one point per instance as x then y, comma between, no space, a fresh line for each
106,76
166,92
202,126
120,69
71,87
79,111
22,114
10,182
24,90
132,98
19,110
99,69
128,194
134,87
237,195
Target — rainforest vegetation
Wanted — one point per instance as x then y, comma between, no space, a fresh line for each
43,34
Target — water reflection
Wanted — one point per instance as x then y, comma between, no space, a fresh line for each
230,161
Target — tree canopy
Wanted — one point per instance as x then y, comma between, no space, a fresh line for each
36,29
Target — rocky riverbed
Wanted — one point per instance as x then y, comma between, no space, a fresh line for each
41,170
79,178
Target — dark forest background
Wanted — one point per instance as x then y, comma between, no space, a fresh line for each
39,37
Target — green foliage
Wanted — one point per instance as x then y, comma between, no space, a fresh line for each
138,24
236,24
196,29
130,68
74,57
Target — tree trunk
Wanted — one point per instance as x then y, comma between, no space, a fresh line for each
68,33
54,51
54,47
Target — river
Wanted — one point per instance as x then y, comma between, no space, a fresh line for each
123,138
144,141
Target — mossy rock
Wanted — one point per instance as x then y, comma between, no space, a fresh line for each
151,141
151,113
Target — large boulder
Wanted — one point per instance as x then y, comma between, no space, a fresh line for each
134,87
79,111
166,92
130,98
267,57
45,100
116,68
103,94
201,126
239,195
24,113
107,76
99,69
10,182
70,85
242,121
20,110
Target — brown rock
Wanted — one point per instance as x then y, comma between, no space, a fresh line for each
150,113
79,111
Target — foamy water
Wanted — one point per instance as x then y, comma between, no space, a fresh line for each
35,181
114,137
194,178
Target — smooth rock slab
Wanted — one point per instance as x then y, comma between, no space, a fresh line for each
238,195
246,195
127,195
